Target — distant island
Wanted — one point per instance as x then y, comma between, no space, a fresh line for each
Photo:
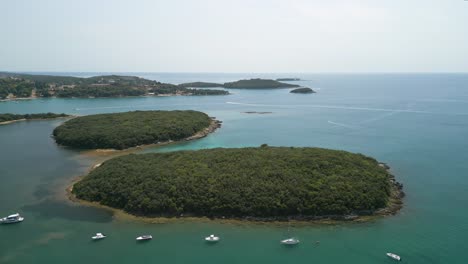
258,84
243,84
263,183
14,85
131,129
200,85
304,90
288,79
9,118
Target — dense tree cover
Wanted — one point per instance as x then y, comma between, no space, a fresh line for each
129,129
207,92
11,117
100,91
17,87
302,90
258,84
166,88
201,85
259,182
22,85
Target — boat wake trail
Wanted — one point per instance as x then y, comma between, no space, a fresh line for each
342,125
341,107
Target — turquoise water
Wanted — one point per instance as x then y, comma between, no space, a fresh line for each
416,123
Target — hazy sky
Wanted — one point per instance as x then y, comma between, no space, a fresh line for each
234,36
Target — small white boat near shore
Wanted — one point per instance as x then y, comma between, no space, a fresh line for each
11,219
212,238
144,237
290,241
394,256
98,236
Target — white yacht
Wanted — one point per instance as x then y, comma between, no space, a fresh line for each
394,256
98,236
212,238
290,241
144,237
14,218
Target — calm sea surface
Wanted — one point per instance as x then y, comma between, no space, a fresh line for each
417,123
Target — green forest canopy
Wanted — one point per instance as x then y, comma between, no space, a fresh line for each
302,90
258,84
129,129
258,182
22,85
11,117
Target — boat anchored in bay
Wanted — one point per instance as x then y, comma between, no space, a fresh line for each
291,240
98,236
11,219
212,238
394,256
144,237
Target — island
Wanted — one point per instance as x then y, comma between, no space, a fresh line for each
303,90
131,129
258,84
201,85
288,79
255,183
15,85
8,118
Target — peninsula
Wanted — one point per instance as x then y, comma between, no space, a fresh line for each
14,85
263,183
10,118
26,86
303,90
131,129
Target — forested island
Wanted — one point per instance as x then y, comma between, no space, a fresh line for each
288,79
258,84
303,90
7,117
244,84
14,85
131,129
263,183
201,85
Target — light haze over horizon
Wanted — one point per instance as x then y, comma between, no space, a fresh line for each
234,36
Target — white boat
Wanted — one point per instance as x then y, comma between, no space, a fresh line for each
290,241
144,237
14,218
394,256
212,238
98,236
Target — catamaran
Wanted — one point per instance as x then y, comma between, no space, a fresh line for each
144,237
212,238
11,219
394,256
98,236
